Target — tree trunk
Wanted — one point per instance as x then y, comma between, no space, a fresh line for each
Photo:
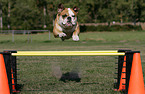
1,19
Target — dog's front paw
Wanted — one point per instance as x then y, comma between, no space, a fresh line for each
75,38
62,35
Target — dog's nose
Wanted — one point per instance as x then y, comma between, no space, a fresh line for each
69,19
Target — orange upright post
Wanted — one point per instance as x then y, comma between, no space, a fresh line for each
136,82
123,76
13,83
4,86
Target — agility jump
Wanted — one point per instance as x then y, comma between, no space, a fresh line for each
129,75
68,53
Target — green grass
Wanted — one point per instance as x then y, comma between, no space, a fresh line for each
38,74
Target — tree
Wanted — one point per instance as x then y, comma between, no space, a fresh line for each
34,14
1,22
137,10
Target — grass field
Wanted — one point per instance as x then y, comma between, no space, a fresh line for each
40,75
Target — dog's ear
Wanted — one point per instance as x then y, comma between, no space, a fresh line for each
60,8
76,9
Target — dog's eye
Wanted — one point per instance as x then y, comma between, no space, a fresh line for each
73,15
64,16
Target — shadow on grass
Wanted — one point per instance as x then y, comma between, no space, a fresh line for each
48,41
19,88
70,76
6,41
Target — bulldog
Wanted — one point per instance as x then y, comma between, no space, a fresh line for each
66,25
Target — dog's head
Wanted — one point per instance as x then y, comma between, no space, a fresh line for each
67,17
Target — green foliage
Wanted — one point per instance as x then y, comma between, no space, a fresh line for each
29,14
110,28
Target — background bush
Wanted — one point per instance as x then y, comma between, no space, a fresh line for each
35,14
110,28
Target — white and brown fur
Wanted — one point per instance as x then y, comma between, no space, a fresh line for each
66,25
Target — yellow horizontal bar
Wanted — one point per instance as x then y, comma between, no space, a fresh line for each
48,52
67,54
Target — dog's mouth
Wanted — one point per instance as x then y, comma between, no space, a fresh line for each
68,24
